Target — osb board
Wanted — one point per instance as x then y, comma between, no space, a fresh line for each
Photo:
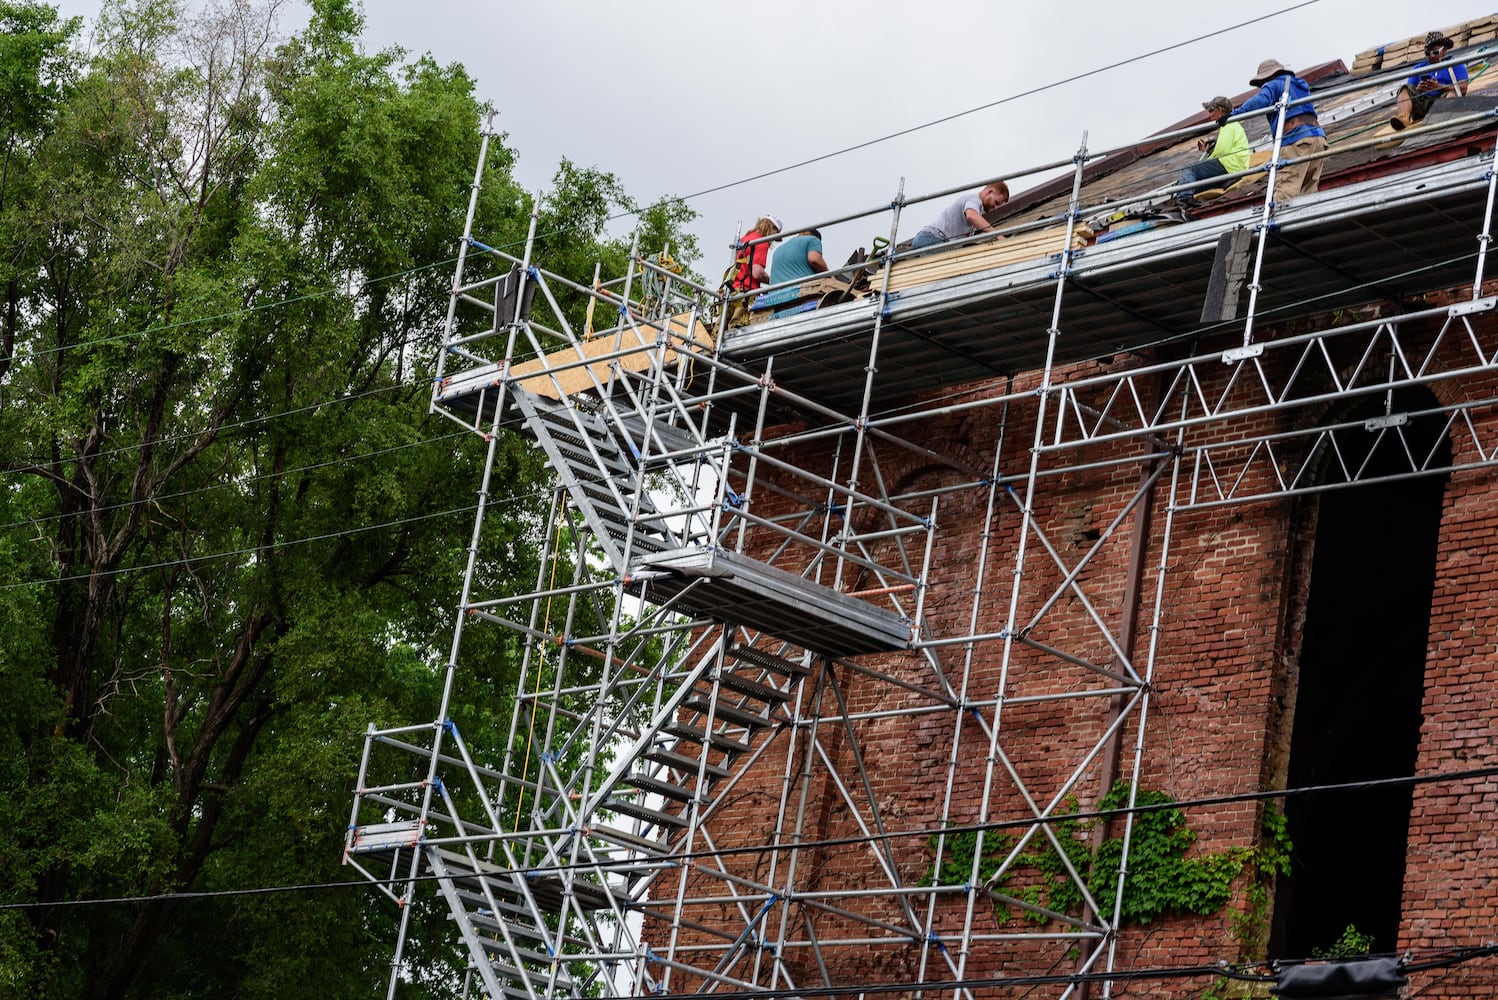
978,257
639,341
1408,50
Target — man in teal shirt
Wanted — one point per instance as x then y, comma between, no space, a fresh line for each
798,257
1229,154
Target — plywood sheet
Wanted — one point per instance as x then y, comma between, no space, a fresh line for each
975,257
568,376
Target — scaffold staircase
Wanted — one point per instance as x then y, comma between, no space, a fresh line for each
599,467
625,741
544,914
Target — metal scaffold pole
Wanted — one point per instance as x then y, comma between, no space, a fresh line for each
776,727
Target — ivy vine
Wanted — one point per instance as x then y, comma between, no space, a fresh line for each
1162,880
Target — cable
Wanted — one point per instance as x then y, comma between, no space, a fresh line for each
243,311
1451,956
1444,777
1003,100
314,467
635,212
1086,814
36,466
249,550
512,501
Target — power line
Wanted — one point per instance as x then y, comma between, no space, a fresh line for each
236,483
248,550
511,502
42,465
1442,957
231,314
1410,781
991,104
714,189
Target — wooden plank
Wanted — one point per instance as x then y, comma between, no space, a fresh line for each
639,341
1257,159
977,257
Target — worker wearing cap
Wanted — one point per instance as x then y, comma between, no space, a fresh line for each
1303,135
1229,153
752,260
1424,89
963,216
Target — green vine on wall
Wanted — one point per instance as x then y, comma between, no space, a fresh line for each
1162,880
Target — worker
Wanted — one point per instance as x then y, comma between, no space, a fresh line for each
798,257
750,268
752,259
1303,134
1424,89
963,216
1228,152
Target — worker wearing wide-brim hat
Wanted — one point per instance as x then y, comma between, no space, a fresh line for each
1303,135
1424,88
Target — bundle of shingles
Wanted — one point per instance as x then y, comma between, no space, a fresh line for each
1408,50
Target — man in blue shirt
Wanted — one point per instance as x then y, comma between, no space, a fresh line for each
798,257
1303,134
1424,89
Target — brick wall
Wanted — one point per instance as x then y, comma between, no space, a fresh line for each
1223,693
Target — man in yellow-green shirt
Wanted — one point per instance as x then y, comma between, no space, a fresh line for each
1229,154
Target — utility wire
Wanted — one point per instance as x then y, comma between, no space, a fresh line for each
237,483
993,104
1445,957
511,502
1375,784
40,465
714,189
687,857
248,550
230,314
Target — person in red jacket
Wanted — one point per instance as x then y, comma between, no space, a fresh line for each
753,261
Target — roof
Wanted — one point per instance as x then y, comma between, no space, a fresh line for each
1395,216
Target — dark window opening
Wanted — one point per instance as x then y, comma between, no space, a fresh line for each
1358,707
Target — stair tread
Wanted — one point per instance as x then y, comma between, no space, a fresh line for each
753,688
729,713
768,661
648,783
684,763
720,740
655,816
632,840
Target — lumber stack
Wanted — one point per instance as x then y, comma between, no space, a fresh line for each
1408,50
974,257
572,371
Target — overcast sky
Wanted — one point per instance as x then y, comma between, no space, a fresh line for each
680,96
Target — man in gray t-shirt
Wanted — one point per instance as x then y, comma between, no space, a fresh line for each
963,216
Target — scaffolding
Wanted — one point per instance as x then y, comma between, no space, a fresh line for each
749,579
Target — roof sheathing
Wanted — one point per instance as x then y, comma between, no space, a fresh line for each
1387,223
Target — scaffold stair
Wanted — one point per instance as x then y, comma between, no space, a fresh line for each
602,456
600,472
508,920
696,743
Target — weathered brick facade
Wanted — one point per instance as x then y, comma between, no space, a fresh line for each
1218,720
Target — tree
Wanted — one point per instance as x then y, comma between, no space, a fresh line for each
229,538
227,531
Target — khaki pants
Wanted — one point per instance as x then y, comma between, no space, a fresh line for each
1299,178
